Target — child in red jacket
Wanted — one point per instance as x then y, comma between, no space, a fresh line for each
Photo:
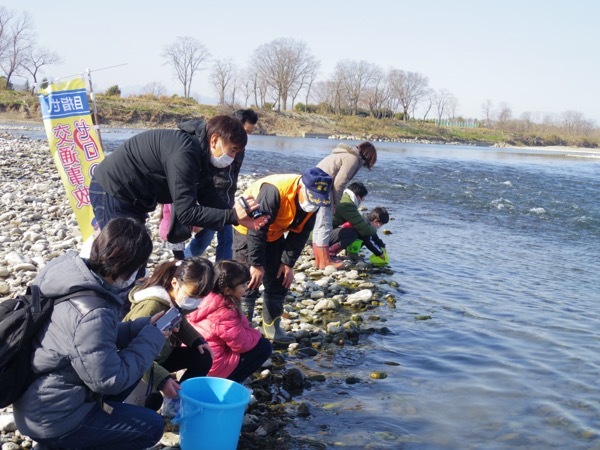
238,349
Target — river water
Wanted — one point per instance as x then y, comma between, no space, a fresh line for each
501,248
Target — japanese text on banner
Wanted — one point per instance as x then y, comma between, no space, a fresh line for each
74,145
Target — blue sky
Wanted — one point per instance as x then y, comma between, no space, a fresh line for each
534,55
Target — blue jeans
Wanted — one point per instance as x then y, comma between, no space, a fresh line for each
203,238
127,427
107,207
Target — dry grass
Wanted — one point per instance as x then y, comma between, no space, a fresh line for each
147,111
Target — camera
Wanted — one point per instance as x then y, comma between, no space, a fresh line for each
171,319
254,214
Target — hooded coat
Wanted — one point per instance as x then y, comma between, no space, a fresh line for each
80,356
226,330
167,166
342,164
150,301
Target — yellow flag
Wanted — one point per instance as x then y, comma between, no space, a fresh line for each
74,145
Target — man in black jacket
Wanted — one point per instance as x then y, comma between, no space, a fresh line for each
225,181
172,166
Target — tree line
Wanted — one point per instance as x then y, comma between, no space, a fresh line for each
284,71
284,75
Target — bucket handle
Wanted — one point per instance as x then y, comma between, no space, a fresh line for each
179,418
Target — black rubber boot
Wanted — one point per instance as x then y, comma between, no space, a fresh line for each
272,310
248,307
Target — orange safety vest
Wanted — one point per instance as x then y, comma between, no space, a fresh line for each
288,186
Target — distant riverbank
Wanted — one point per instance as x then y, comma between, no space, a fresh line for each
131,114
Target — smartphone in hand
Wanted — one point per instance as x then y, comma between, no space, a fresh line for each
171,319
254,214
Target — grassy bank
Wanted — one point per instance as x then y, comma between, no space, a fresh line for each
151,112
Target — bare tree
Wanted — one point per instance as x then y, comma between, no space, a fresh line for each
452,106
428,101
282,64
323,93
15,41
504,114
486,108
34,59
376,94
259,87
185,56
154,89
331,93
408,88
245,85
526,122
310,79
443,101
355,76
223,78
305,83
6,16
573,123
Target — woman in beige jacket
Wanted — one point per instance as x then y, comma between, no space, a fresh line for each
342,165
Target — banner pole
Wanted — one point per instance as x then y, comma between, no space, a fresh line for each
93,97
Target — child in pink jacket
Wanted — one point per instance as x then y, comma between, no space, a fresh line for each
163,230
238,349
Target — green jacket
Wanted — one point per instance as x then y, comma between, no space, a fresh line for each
148,302
347,211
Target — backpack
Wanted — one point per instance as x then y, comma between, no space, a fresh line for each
21,319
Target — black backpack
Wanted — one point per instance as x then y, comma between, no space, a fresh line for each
21,319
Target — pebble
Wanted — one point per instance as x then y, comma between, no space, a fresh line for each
317,294
37,225
327,304
362,296
7,423
10,446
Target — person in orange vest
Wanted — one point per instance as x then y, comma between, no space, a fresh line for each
291,201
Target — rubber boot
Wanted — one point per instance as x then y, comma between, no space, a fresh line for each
272,310
322,258
335,249
248,307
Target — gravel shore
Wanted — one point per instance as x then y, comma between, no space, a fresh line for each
324,308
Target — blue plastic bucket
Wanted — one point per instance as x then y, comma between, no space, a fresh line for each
212,410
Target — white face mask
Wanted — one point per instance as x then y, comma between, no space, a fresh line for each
124,284
190,303
308,207
222,161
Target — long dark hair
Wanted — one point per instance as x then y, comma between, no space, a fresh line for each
122,247
229,274
368,154
195,271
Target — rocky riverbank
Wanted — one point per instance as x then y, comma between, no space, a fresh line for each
325,309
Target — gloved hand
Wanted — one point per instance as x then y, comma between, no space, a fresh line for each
380,261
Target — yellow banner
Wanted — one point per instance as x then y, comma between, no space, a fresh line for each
74,145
